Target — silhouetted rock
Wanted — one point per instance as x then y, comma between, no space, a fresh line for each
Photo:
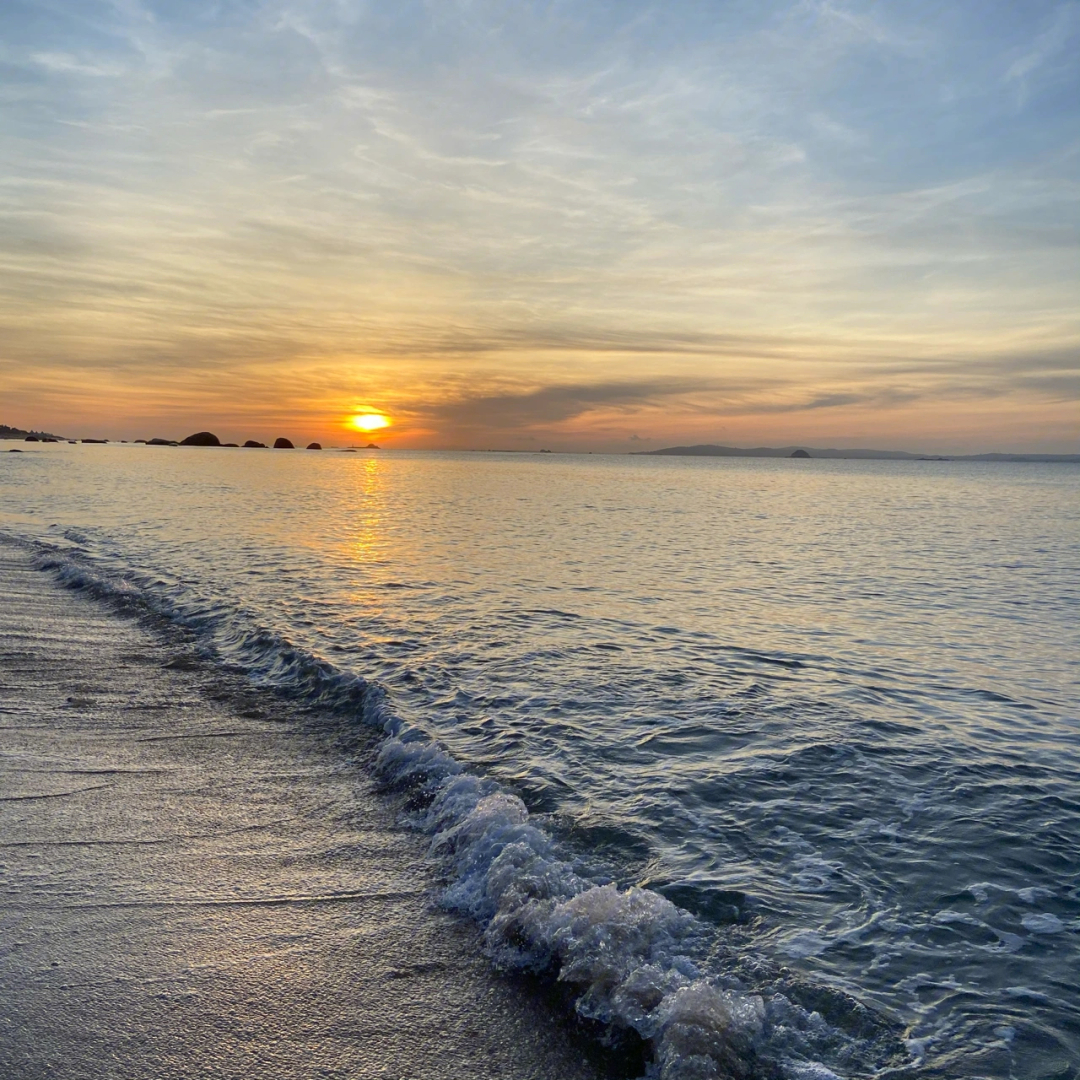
823,453
101,441
14,451
798,453
283,444
230,444
371,446
31,438
143,441
314,446
201,438
256,445
48,438
162,442
7,432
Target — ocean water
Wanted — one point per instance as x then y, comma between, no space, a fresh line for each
775,763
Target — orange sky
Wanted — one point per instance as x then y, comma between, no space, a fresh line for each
807,223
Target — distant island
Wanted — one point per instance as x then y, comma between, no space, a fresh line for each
18,433
711,450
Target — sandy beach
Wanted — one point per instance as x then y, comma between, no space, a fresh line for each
196,881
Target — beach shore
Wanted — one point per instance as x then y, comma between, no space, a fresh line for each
195,881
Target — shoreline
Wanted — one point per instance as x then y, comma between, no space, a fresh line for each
197,882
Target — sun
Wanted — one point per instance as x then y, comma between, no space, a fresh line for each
369,421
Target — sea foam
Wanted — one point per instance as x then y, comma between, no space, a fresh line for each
635,963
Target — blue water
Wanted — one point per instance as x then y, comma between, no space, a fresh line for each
819,717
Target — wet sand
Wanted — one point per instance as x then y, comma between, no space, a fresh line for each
196,881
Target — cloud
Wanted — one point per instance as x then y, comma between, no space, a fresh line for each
544,214
70,65
1045,49
891,384
555,404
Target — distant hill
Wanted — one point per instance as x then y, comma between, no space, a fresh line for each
18,433
711,450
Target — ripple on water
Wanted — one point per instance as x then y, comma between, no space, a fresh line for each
839,731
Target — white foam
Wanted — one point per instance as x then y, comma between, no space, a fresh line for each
811,1070
943,918
632,957
981,890
1044,923
803,944
1026,993
1007,942
918,1048
1033,894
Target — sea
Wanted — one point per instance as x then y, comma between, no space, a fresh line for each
771,764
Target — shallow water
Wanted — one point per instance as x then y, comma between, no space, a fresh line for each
828,707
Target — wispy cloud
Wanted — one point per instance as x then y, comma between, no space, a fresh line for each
1051,376
569,214
553,404
64,63
1048,49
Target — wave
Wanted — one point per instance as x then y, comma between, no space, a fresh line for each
636,965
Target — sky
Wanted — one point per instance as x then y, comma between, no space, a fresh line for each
572,224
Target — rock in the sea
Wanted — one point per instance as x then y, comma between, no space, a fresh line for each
101,441
798,453
282,444
13,451
256,445
230,444
371,446
162,442
314,446
31,438
201,438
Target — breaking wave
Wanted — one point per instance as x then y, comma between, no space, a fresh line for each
635,965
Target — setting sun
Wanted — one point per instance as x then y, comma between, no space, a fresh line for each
369,421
